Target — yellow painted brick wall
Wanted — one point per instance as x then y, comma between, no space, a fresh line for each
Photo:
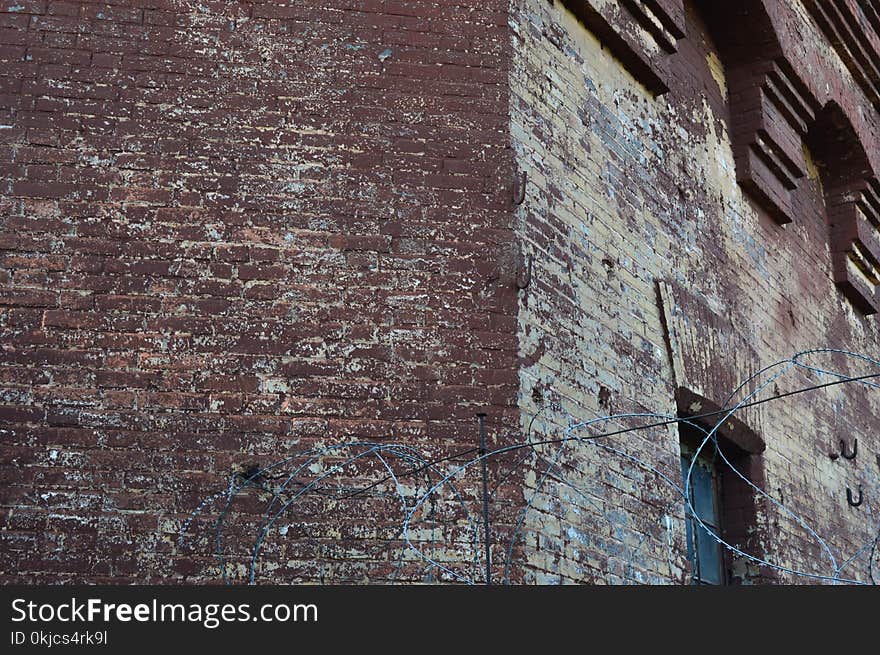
626,189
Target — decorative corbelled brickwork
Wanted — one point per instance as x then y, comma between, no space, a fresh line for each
640,33
775,113
852,27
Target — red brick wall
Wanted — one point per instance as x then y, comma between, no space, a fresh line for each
230,231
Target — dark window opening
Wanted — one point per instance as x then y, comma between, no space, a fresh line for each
725,503
705,553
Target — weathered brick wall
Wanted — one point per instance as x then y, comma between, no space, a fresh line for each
637,162
232,231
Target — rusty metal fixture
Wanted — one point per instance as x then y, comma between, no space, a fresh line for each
849,497
849,454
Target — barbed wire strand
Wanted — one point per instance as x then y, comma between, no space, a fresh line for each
570,435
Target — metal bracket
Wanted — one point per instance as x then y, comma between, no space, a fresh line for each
849,455
849,497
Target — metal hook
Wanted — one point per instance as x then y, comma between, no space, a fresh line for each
849,497
843,449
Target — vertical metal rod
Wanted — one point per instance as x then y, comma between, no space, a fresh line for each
482,419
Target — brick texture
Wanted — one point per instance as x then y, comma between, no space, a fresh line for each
232,233
635,185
